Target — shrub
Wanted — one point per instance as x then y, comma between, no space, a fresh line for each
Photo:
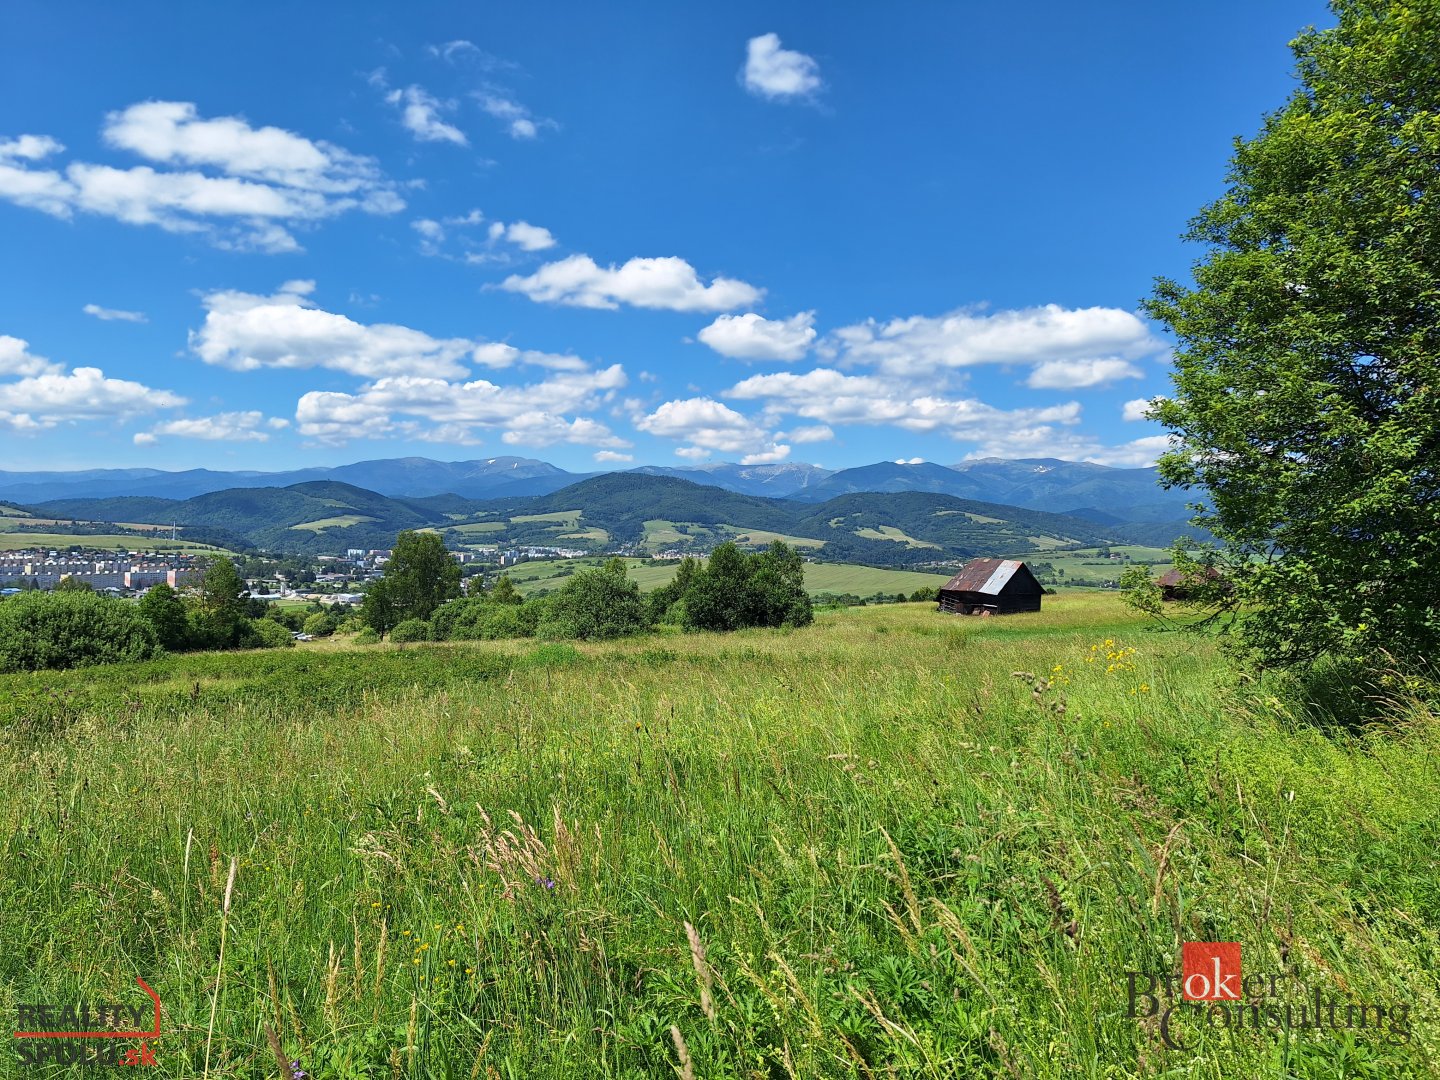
367,636
596,604
496,621
265,634
737,590
40,631
319,625
411,630
452,618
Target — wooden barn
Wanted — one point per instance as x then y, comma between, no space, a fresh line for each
991,587
1175,585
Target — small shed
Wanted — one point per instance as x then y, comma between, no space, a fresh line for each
991,587
1175,585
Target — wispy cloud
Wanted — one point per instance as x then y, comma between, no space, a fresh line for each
420,111
223,427
114,314
520,122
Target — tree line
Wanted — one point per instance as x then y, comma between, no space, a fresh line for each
419,598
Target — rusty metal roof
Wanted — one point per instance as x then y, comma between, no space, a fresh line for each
1174,578
987,576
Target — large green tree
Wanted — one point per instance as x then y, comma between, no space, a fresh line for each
1306,409
596,604
379,610
421,574
163,609
738,589
220,618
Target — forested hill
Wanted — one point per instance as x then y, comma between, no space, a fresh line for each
643,512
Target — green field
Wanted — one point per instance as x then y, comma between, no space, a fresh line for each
1085,567
340,521
889,532
568,518
898,858
866,580
17,541
762,537
477,528
819,577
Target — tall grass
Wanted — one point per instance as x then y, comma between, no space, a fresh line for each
892,844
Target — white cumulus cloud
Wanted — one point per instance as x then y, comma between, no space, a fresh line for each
1137,408
707,425
1048,338
833,398
525,236
608,456
268,181
665,283
29,147
223,427
45,400
17,359
246,332
538,413
754,337
1075,374
778,74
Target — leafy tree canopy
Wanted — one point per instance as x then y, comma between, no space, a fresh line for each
736,589
421,574
380,610
223,603
51,630
596,604
163,609
1307,383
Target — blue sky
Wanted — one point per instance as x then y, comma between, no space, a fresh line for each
279,235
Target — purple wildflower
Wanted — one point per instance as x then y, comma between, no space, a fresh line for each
545,882
297,1073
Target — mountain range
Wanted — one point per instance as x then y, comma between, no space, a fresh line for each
635,510
1081,489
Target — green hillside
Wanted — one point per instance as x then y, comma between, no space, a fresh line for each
319,517
620,510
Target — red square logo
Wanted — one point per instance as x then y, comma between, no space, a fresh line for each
1210,970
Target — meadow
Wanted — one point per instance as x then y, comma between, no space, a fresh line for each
891,844
819,577
21,541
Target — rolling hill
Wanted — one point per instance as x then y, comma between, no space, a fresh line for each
1101,494
631,510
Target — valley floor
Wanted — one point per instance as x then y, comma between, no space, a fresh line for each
894,843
